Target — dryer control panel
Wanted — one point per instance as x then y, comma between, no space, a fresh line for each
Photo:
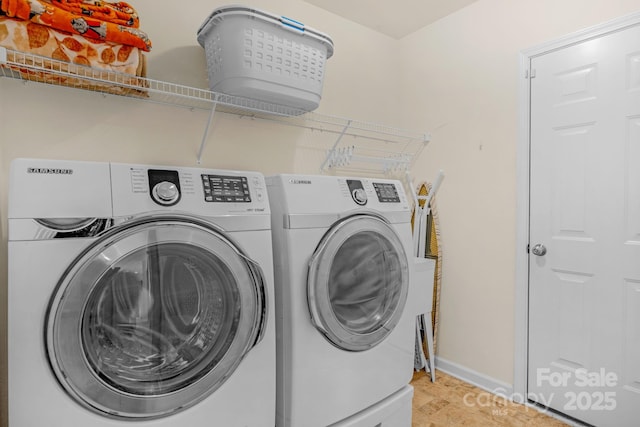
374,193
386,192
311,199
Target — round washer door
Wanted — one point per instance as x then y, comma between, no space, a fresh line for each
153,317
358,283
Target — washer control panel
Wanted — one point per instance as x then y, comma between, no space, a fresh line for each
141,188
226,189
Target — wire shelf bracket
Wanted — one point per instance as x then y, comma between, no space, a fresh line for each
385,148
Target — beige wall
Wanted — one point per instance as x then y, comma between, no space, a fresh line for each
457,79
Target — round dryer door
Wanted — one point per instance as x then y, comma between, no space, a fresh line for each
358,282
153,317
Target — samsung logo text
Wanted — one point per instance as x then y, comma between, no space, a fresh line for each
50,171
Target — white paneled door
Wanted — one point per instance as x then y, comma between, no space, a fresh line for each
584,261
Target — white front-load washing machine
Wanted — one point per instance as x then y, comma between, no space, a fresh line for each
345,335
139,296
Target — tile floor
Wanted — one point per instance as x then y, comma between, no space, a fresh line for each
450,402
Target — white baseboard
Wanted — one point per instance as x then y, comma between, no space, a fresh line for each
492,385
472,377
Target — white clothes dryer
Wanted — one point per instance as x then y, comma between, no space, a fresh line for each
139,296
345,338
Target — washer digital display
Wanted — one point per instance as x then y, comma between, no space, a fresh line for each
387,193
226,189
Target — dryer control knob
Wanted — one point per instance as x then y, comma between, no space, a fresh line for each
359,196
165,193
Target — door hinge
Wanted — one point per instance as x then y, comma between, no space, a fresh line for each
530,74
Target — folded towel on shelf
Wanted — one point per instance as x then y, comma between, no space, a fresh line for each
40,43
60,15
38,39
120,13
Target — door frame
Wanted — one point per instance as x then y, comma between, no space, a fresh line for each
521,303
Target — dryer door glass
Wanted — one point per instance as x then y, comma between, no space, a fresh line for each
358,283
154,317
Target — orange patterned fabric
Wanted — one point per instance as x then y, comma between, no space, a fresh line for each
120,13
80,56
26,36
61,15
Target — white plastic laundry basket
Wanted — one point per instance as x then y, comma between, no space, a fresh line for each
258,55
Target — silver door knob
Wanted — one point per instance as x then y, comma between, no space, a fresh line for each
539,250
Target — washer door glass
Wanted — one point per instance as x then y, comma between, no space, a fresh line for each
153,317
358,283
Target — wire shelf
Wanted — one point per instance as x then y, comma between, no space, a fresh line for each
396,148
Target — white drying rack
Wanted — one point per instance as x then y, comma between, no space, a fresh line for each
423,320
373,155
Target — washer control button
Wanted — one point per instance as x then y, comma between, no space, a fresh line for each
166,193
359,196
